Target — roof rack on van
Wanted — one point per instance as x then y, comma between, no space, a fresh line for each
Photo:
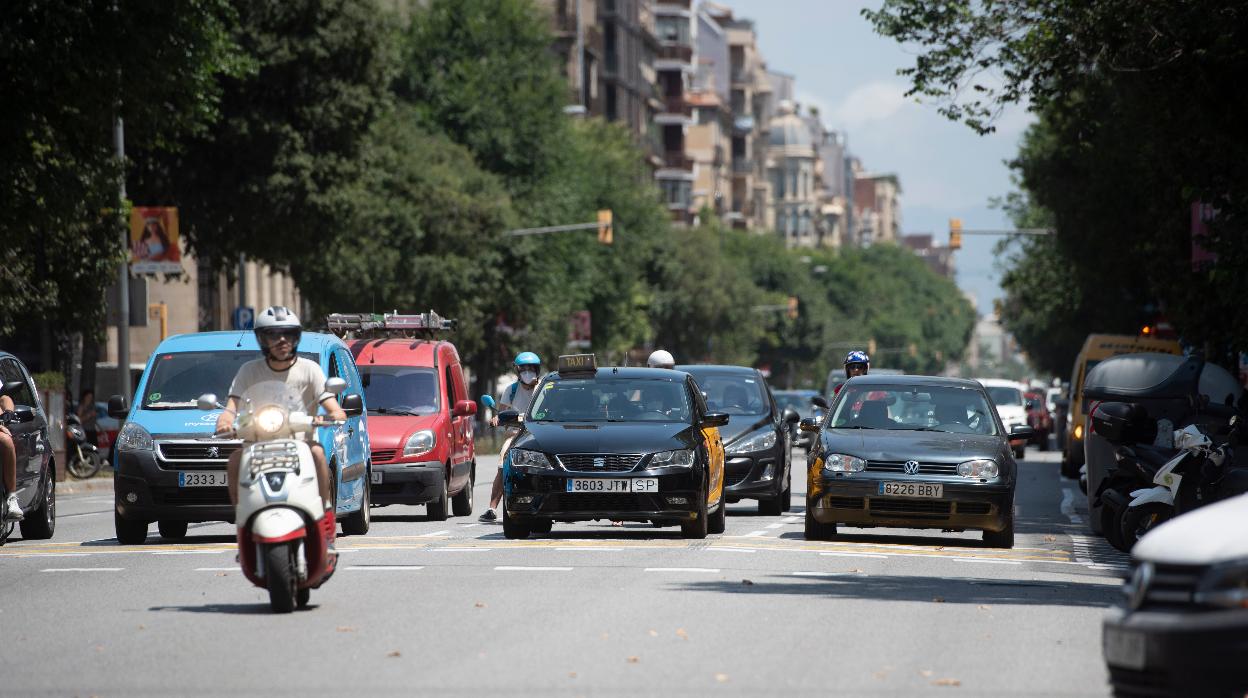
370,325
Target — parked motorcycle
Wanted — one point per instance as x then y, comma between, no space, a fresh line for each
82,459
284,529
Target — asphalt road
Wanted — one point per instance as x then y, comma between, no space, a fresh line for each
423,607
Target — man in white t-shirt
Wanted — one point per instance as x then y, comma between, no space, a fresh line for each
278,331
516,396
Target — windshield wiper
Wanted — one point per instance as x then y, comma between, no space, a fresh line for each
394,410
923,429
854,427
170,405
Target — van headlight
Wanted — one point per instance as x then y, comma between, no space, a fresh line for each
980,467
672,459
1225,585
420,442
758,441
269,419
133,437
524,458
841,463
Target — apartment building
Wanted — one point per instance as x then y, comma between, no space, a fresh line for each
674,68
877,210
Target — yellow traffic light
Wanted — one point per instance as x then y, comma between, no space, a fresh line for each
605,233
792,312
955,233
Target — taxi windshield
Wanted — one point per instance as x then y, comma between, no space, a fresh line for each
611,400
913,407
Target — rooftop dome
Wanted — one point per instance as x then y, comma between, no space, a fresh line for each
787,129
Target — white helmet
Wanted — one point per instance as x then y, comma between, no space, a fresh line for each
273,320
661,358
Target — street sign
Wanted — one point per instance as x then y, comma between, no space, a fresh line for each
244,318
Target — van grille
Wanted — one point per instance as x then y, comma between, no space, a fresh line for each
384,455
195,455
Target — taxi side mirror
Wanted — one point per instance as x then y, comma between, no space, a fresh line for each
715,419
509,418
809,424
819,401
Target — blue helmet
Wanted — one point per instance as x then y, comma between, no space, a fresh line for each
528,358
857,357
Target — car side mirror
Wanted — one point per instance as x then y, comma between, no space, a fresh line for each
715,419
791,417
23,413
118,407
819,401
11,387
809,424
336,386
206,402
509,418
353,405
1021,432
464,408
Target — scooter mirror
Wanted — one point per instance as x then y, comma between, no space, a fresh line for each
207,401
488,401
335,386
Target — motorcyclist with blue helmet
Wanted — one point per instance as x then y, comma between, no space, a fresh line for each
857,363
516,396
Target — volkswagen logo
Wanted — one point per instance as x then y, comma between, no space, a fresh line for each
911,467
214,452
600,462
1136,588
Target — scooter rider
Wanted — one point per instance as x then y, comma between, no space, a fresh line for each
516,396
661,358
857,363
8,461
277,331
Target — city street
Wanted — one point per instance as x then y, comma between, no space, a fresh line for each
421,607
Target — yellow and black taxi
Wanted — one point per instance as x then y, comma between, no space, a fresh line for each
623,444
912,452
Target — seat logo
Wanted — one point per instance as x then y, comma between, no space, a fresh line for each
600,462
911,467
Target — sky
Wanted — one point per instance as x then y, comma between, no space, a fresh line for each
849,72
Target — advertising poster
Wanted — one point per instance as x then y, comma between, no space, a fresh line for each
154,244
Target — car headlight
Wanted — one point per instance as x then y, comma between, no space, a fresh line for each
270,419
1225,585
841,463
672,459
422,441
758,441
980,467
133,437
524,458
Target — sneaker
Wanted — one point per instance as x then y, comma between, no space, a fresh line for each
489,515
13,509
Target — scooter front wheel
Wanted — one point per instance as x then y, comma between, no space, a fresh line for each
279,571
86,466
1138,521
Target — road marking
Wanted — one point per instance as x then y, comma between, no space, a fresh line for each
753,534
523,568
712,570
458,550
470,525
822,574
188,552
792,519
775,525
83,569
728,549
217,569
387,568
587,548
874,555
435,534
991,561
1068,506
37,554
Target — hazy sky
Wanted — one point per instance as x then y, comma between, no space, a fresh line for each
847,70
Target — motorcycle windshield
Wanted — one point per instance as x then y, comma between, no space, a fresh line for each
266,410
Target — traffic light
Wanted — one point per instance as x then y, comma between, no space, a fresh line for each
792,312
870,347
955,233
913,350
605,233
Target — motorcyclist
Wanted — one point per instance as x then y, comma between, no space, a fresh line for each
857,363
661,358
516,396
277,331
8,460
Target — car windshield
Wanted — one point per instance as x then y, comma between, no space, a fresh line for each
913,407
1005,395
179,378
401,390
733,393
798,402
611,400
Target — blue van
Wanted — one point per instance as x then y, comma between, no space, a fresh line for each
169,468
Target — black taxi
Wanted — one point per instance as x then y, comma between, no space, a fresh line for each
623,444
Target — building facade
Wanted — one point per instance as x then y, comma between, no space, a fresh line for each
791,159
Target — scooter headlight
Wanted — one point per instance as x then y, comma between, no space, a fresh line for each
270,419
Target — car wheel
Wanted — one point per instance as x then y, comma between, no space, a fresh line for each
1069,468
1044,441
173,530
1005,537
461,505
358,523
129,532
541,526
302,597
786,497
696,528
818,531
40,524
1021,452
512,529
439,509
718,521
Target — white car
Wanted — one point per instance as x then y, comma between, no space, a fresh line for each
1007,396
1183,626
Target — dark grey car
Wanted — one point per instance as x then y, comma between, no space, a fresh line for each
912,452
36,473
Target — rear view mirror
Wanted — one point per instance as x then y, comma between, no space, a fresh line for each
809,424
353,405
488,401
23,413
509,418
1021,432
118,407
819,401
335,386
206,402
464,408
791,417
11,387
715,419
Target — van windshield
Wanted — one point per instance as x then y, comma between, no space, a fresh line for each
179,378
399,390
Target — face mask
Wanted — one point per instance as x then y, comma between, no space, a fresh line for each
528,377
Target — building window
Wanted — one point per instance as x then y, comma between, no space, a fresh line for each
676,192
674,29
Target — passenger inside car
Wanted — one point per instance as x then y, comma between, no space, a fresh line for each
874,415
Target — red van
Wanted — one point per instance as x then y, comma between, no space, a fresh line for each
419,423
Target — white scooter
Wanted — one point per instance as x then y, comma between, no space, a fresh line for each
1151,506
284,530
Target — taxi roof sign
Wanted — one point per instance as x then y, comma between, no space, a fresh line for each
577,363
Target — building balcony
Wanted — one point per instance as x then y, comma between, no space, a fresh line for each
676,104
677,160
742,166
660,5
675,52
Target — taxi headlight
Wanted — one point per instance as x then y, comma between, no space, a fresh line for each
270,419
1225,585
672,459
841,463
980,467
758,441
422,441
524,458
133,437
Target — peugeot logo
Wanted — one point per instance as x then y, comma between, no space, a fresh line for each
214,452
600,462
911,467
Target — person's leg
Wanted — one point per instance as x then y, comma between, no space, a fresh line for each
231,475
322,475
8,461
496,491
